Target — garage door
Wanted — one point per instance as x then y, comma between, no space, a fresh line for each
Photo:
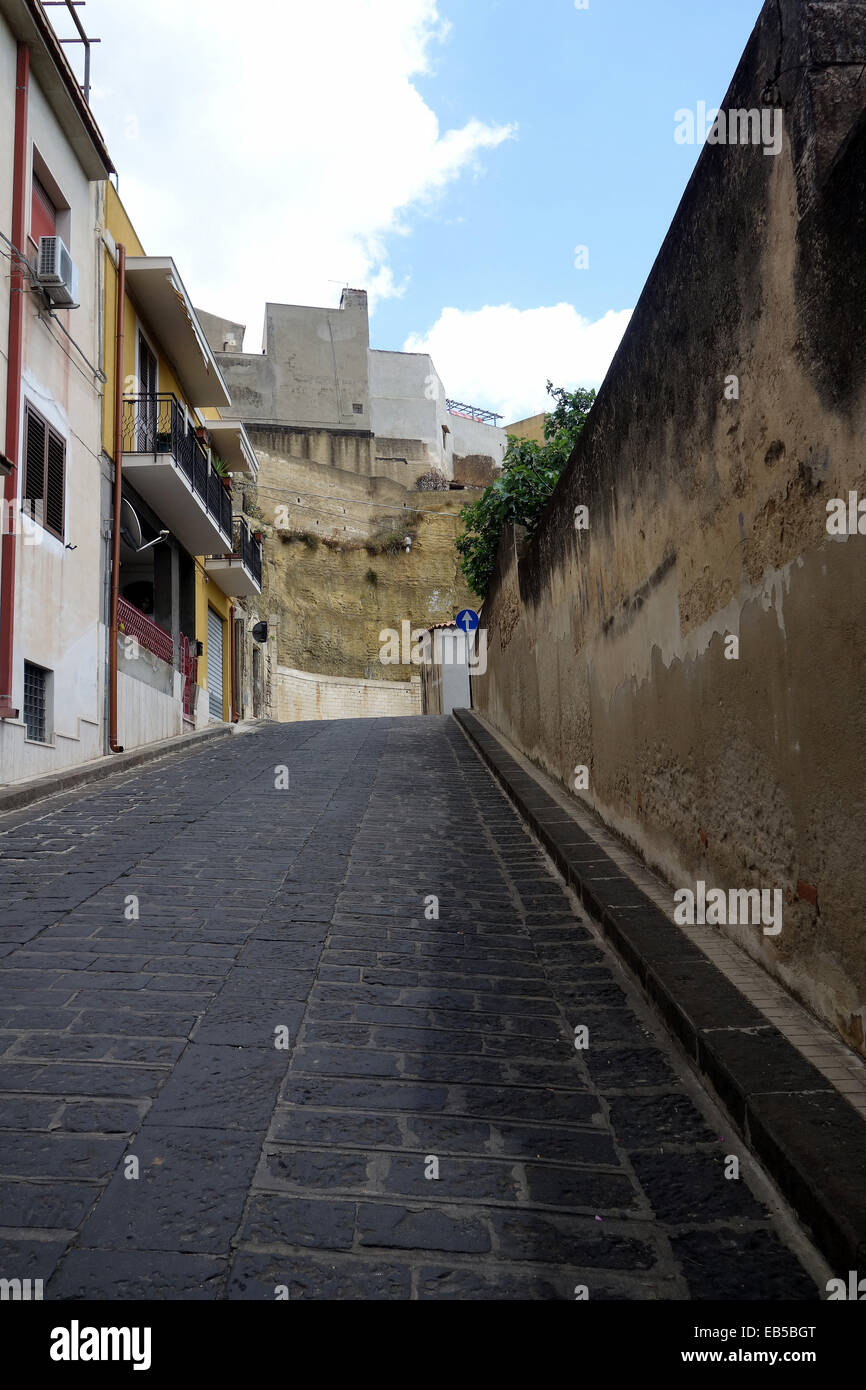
215,664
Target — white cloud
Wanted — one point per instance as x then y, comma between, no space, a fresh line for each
500,357
274,148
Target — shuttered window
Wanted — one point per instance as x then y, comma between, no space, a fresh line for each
44,473
43,214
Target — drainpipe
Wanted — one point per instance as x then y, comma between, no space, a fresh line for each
13,386
118,484
233,656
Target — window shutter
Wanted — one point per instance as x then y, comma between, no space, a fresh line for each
34,477
44,473
43,214
54,483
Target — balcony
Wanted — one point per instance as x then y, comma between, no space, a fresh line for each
160,296
230,441
167,465
239,575
131,622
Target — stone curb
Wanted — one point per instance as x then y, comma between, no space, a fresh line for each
20,794
811,1141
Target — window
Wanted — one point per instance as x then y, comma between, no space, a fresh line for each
146,367
44,472
36,702
43,213
147,409
50,213
358,409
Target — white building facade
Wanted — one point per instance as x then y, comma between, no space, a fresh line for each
408,399
317,371
53,164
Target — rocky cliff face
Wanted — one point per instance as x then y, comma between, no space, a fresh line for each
335,570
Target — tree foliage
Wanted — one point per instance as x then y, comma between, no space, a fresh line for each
519,495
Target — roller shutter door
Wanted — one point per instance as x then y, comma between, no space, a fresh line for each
215,664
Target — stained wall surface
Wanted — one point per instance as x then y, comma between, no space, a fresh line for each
734,411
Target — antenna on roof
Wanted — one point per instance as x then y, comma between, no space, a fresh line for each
72,6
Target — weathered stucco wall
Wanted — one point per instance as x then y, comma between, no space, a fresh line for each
300,695
317,374
707,520
408,402
313,370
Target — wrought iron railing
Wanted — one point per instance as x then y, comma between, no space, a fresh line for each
249,550
245,548
160,425
148,634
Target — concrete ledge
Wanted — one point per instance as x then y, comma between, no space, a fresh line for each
808,1137
20,794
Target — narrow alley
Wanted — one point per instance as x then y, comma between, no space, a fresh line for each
294,1014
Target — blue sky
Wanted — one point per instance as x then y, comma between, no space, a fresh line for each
593,161
446,155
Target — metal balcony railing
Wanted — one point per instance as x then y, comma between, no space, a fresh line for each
249,550
159,425
133,623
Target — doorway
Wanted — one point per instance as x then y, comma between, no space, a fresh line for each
147,378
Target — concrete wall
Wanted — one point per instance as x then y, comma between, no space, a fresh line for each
146,714
531,428
59,596
317,367
478,450
407,402
313,370
299,695
610,647
223,334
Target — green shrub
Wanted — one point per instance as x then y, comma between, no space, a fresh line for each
518,497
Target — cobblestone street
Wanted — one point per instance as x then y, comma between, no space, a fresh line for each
159,932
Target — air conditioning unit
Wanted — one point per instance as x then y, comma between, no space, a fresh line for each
57,272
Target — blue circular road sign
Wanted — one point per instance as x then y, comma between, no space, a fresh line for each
467,619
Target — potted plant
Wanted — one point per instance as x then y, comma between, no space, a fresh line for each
221,470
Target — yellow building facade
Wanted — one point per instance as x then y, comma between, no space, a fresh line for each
531,429
186,558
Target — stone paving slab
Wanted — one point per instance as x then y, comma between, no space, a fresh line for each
812,1141
322,1040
